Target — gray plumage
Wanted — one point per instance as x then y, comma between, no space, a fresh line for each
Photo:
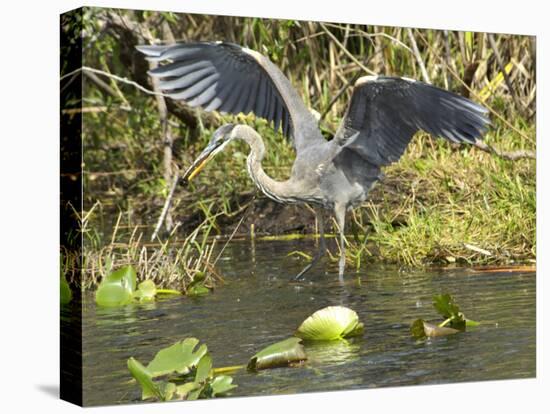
383,115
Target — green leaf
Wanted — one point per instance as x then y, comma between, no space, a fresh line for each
182,391
203,368
221,384
125,276
168,390
147,291
198,290
280,354
110,294
196,393
448,309
330,323
445,306
65,294
149,388
179,358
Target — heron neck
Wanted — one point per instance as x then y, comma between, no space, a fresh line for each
280,191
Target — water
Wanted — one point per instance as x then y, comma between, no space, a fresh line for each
258,306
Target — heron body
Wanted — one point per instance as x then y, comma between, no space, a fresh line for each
383,115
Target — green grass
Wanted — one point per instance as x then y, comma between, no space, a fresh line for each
442,204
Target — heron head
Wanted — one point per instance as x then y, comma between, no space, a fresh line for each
220,138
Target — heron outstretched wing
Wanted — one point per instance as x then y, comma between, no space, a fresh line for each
233,79
385,113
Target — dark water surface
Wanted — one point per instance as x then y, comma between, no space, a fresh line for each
258,306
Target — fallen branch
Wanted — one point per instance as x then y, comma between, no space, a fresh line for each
512,155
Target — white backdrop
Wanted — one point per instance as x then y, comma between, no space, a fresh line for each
30,188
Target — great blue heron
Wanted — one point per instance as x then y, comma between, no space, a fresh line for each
382,117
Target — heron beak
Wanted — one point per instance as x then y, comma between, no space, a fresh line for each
206,155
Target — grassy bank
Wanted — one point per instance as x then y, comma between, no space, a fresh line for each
441,203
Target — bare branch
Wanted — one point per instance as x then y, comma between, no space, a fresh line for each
127,81
416,53
512,155
346,51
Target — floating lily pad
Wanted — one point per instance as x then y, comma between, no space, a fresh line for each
183,391
147,291
198,290
179,358
221,385
117,288
111,294
125,276
178,363
149,388
203,368
448,309
330,323
280,354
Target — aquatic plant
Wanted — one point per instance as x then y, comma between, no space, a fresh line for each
285,353
445,305
118,288
330,323
186,373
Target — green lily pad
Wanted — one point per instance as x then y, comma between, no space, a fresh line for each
111,294
203,369
117,288
330,323
280,354
221,385
196,393
448,309
182,391
198,290
176,364
65,293
149,388
179,358
125,276
168,390
147,291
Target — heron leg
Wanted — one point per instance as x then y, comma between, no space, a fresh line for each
340,214
322,245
